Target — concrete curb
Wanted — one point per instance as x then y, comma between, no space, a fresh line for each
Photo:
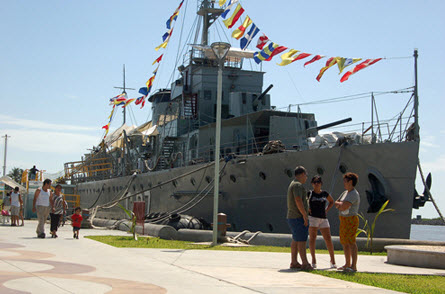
267,239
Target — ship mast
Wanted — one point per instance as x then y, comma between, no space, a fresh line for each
209,14
124,92
416,100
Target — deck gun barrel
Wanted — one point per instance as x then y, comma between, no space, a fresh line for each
332,124
264,93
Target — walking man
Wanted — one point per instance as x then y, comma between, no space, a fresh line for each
297,218
43,198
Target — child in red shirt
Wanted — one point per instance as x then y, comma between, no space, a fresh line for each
76,221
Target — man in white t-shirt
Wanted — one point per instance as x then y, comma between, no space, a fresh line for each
43,198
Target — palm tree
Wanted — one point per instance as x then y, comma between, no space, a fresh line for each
16,174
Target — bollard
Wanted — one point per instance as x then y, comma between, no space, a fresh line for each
86,222
222,227
139,212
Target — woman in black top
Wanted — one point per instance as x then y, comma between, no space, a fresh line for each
319,204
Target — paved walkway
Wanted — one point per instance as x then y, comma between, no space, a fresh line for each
66,265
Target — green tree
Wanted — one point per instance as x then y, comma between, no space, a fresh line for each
16,174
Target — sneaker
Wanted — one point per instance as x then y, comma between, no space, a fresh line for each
332,265
314,265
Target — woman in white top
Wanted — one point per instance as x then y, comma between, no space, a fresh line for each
16,202
348,204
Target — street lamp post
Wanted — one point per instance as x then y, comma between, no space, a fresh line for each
220,49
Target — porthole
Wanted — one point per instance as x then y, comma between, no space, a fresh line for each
114,189
142,186
233,178
208,179
175,183
109,189
262,175
288,172
192,180
343,168
320,171
134,187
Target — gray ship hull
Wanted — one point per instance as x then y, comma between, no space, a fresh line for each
253,191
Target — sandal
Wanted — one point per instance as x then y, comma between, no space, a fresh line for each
307,267
342,268
349,270
294,266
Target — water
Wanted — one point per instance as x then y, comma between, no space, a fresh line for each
427,233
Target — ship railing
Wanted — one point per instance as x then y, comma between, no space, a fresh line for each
73,199
197,57
91,168
391,130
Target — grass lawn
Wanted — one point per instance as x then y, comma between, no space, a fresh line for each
403,283
152,242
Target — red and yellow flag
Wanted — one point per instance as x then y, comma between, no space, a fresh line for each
239,32
330,62
358,67
230,22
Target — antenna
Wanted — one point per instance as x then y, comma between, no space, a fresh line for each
124,92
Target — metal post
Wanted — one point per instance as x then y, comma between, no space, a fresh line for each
4,163
416,100
372,118
4,158
217,147
220,49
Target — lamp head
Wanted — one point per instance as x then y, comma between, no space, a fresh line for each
220,49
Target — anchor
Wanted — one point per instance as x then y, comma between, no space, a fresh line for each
419,200
376,197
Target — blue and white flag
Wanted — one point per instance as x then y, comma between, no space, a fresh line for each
245,41
229,6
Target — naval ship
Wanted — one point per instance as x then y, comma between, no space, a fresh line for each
169,162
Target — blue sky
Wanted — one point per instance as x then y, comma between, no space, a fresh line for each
61,59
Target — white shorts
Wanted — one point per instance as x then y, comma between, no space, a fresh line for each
317,222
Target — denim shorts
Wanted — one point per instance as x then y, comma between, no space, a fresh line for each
76,228
298,229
